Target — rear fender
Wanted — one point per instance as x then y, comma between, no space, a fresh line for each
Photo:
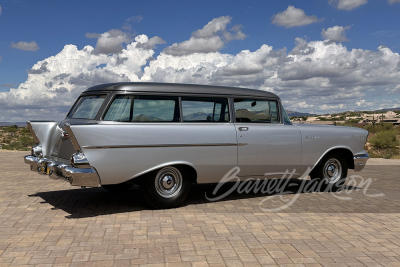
45,133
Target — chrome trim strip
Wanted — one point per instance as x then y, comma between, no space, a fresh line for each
164,145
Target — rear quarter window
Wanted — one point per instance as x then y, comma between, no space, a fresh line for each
87,107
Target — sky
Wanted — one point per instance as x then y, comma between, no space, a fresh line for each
319,56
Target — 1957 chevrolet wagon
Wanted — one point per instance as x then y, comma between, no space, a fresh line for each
164,137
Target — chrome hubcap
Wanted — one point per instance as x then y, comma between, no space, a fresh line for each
332,170
168,182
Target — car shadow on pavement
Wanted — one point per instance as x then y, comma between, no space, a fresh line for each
90,202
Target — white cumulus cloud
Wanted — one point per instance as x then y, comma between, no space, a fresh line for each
348,4
293,17
31,46
335,34
1,10
315,76
211,38
110,42
146,43
394,1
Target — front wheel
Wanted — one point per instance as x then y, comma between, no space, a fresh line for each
165,188
331,172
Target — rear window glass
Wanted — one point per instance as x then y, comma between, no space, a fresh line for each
87,107
129,108
199,109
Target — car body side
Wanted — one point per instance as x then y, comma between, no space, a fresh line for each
124,151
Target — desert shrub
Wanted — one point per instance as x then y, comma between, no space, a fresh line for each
16,145
397,129
25,130
380,127
27,141
386,139
10,129
391,153
353,121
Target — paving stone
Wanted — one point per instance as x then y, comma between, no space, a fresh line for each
46,222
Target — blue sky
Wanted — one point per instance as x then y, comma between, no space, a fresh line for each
366,25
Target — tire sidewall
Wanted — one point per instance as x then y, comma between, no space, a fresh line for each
155,199
319,175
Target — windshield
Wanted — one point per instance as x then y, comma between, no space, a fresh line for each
87,107
285,117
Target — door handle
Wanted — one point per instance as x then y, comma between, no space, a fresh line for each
243,128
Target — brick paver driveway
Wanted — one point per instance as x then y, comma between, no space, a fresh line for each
48,222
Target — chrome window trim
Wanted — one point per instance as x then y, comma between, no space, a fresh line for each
110,98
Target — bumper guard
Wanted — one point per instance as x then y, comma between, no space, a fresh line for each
359,161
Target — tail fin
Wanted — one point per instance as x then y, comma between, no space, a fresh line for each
45,133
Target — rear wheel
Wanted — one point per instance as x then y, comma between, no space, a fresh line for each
331,172
165,188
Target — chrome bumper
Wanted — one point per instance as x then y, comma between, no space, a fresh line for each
58,170
360,161
81,177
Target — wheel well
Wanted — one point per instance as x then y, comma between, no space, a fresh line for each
346,154
186,170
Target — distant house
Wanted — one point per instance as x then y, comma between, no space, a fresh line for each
393,121
321,122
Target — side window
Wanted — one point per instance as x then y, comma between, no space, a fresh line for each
87,107
120,109
252,110
256,110
205,109
129,108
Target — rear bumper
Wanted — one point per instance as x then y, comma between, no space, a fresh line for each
81,177
360,161
58,170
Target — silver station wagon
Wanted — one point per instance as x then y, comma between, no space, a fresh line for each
164,137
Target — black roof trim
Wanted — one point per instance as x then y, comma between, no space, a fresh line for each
180,88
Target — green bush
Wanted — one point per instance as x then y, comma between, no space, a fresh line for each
16,145
10,129
353,121
25,130
5,147
27,141
380,127
384,153
386,139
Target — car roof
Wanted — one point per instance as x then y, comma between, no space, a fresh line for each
180,88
